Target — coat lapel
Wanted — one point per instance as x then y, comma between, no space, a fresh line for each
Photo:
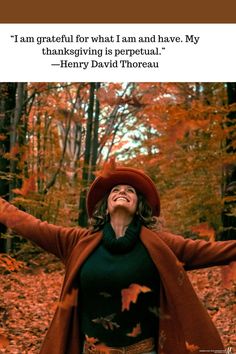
63,335
184,322
79,254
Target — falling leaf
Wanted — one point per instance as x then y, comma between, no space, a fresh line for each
107,322
14,150
108,168
90,340
158,312
191,347
136,331
92,345
3,137
131,294
155,310
28,186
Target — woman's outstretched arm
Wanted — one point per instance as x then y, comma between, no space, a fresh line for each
196,254
54,239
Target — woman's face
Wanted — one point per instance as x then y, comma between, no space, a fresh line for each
122,197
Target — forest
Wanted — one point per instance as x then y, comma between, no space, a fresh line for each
55,138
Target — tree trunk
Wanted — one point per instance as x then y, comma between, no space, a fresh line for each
95,144
7,106
17,133
86,167
228,214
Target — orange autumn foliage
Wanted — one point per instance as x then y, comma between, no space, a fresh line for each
204,231
178,130
9,264
4,341
228,275
175,132
107,96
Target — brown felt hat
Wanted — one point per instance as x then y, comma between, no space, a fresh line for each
123,175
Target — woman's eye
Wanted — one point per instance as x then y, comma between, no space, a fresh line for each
131,190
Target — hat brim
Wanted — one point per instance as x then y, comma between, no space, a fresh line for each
123,175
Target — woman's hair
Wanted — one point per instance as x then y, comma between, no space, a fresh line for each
100,215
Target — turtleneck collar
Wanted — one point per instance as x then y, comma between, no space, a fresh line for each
122,244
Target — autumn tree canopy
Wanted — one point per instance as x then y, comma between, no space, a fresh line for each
54,137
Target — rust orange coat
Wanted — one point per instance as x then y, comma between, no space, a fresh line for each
184,323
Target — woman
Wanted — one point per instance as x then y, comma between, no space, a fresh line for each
125,288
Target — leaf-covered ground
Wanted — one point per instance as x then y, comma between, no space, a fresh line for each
28,299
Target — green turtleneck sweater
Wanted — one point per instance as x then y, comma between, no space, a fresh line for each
119,290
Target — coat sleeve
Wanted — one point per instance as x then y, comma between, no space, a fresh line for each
196,254
54,239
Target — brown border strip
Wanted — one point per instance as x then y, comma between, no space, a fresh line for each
118,11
